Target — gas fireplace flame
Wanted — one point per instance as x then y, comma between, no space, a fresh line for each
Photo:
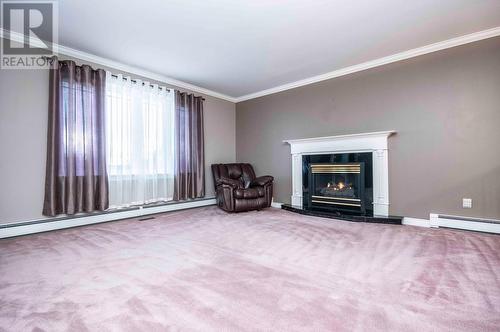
338,186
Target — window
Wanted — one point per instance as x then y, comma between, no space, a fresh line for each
140,141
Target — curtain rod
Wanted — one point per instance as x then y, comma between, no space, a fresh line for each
134,81
159,87
116,76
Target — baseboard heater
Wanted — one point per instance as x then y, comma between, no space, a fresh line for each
51,224
466,223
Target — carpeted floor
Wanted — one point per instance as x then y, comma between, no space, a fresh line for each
204,269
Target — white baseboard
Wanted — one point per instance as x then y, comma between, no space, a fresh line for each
436,221
416,222
24,228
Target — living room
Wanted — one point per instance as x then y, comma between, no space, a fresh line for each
253,165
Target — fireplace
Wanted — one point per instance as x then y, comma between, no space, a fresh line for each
342,177
337,186
339,183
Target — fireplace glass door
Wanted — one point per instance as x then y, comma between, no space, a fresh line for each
337,186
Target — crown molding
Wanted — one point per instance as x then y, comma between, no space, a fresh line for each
449,43
74,53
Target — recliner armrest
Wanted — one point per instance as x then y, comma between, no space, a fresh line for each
230,182
261,181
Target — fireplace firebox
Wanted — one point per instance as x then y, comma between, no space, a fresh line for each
338,186
340,183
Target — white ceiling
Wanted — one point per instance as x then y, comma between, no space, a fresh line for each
241,47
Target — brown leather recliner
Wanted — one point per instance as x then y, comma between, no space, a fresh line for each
238,189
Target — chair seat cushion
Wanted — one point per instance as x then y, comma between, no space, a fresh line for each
255,192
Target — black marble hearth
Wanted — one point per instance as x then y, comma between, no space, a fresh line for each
395,220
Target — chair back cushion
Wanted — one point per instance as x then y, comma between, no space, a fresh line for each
236,171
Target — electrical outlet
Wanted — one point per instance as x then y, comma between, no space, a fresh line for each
467,203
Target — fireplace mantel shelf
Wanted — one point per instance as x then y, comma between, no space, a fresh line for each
385,134
374,142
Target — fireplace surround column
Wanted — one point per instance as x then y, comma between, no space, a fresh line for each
380,182
297,179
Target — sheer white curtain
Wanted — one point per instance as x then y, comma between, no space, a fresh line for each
140,141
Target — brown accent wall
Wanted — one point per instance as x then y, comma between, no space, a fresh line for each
445,107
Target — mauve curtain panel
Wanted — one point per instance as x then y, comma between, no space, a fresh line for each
76,179
189,164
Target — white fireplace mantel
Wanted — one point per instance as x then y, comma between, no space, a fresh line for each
375,142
